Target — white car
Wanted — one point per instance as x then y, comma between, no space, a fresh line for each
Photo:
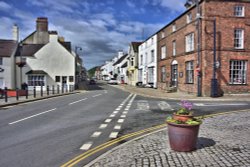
113,81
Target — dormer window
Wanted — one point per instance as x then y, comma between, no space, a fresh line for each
174,28
239,11
189,18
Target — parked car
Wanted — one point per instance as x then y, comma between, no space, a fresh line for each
113,81
92,82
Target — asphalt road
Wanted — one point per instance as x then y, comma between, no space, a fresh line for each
53,131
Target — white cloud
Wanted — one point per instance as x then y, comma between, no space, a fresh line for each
130,4
4,6
176,5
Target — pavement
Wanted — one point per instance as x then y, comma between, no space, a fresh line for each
223,141
163,94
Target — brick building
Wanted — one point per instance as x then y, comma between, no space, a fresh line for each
177,49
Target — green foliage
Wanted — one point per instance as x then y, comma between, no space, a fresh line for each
191,121
91,72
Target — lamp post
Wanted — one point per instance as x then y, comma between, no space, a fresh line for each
79,72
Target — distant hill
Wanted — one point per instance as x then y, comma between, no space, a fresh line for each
91,71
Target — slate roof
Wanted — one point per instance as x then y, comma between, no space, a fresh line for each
36,72
124,65
28,50
135,45
120,60
7,47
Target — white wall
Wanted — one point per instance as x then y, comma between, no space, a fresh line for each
145,50
53,59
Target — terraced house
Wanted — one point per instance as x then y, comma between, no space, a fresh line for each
206,50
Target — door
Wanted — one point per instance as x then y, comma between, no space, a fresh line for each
174,75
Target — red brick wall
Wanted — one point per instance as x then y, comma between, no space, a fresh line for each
226,22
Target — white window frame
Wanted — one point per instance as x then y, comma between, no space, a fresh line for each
239,11
174,47
190,72
189,42
239,39
141,62
238,72
163,52
36,80
163,74
174,27
189,18
162,34
150,74
152,56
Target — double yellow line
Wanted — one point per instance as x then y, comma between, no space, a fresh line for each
90,152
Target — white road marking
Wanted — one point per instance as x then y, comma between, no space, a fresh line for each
108,120
97,95
113,135
164,106
117,127
86,146
96,134
105,91
118,109
124,112
115,112
126,109
32,116
77,101
221,104
120,120
123,116
112,115
102,126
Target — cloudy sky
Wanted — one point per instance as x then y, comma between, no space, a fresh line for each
99,27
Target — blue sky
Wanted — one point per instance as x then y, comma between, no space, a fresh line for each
99,27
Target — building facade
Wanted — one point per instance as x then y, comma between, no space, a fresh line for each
226,60
132,68
147,62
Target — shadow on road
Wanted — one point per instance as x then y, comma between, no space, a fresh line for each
204,142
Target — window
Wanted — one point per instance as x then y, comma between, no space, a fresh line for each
132,61
163,74
162,34
140,75
141,60
238,72
58,78
189,18
190,42
151,75
174,28
174,48
239,11
152,41
36,80
1,61
71,78
152,56
238,39
163,52
189,72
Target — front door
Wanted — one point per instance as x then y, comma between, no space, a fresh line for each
174,75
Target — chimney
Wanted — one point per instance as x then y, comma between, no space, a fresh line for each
42,24
15,32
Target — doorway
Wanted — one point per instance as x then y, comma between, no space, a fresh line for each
174,74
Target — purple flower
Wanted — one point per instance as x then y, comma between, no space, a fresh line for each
187,105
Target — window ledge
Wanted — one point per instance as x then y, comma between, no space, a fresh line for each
230,84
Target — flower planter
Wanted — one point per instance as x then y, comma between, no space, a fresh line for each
182,137
182,118
12,93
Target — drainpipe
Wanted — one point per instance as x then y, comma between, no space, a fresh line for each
198,17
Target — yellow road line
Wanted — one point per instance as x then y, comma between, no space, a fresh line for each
107,144
90,152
